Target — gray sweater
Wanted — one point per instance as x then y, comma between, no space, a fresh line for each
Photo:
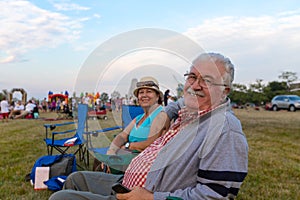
208,159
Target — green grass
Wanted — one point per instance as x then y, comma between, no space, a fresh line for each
274,159
274,154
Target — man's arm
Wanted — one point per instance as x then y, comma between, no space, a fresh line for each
173,107
220,173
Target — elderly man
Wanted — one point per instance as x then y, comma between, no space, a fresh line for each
204,155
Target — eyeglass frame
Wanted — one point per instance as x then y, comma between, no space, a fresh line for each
205,83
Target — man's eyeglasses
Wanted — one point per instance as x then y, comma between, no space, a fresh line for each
146,84
203,82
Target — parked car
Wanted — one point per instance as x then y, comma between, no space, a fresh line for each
289,102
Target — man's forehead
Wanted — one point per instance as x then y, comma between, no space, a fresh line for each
208,68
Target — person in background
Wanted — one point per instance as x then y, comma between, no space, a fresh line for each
204,155
44,105
18,108
58,105
166,97
4,109
28,109
86,99
171,99
53,105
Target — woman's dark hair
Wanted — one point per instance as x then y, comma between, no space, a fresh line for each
160,101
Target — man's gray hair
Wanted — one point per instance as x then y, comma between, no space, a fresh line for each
216,57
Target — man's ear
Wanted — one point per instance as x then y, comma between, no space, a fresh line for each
227,90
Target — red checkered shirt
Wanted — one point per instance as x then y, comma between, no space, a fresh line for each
136,173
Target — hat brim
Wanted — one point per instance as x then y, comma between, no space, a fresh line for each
135,92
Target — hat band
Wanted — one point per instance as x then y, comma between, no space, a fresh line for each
146,84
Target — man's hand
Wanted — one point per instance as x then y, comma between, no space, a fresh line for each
137,193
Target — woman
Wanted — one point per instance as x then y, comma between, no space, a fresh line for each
145,128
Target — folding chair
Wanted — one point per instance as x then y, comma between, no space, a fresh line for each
129,112
99,150
60,141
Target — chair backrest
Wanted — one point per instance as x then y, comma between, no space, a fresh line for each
129,112
82,120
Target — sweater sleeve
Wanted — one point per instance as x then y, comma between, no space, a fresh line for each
173,108
220,173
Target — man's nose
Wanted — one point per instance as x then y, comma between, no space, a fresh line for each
196,85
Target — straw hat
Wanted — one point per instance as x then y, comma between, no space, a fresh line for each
147,82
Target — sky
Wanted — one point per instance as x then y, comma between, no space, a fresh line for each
100,46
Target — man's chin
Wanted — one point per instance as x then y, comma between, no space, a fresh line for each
191,102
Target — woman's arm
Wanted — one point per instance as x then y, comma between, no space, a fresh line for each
158,127
120,139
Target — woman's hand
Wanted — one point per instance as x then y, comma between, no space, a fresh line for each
137,193
105,168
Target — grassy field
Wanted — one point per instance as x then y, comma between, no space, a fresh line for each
274,154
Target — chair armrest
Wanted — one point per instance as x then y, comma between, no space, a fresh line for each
63,132
95,134
60,124
108,129
53,126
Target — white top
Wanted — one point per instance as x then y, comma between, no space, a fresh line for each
4,106
19,107
29,107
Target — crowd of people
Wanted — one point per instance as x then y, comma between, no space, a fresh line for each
17,110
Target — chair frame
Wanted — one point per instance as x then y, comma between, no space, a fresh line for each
59,144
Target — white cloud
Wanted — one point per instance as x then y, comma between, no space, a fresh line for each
67,6
25,26
261,47
97,16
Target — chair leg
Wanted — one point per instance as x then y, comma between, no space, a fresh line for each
81,151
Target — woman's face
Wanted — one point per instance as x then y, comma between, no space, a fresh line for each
147,97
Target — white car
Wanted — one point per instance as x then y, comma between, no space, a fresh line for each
288,102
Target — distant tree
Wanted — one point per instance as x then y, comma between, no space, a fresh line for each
257,86
238,97
239,87
115,95
241,94
288,77
277,86
238,94
274,88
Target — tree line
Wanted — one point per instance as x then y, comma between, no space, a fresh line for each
259,93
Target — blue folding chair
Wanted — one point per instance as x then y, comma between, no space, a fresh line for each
129,112
59,140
